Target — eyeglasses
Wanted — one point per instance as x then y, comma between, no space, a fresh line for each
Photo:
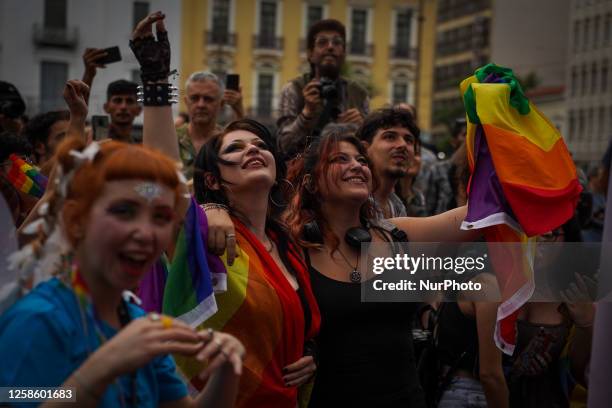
550,236
322,42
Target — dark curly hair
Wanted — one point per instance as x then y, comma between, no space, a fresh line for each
37,129
324,25
387,118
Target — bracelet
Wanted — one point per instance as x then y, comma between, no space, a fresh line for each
86,387
161,94
214,206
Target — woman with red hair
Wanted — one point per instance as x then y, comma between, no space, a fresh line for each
111,210
331,204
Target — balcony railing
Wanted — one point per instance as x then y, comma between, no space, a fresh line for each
267,42
55,37
361,49
403,52
220,38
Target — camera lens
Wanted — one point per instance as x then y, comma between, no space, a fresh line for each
328,88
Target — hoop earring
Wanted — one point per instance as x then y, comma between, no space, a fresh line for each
290,184
274,202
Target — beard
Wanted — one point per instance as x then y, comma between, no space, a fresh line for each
396,173
328,70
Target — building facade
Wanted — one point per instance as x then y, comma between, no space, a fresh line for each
589,78
467,34
264,41
462,44
42,43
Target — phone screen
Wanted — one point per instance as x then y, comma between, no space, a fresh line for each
99,124
112,55
232,81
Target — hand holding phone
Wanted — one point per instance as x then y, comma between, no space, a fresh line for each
232,82
112,55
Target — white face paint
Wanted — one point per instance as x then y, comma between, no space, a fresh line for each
148,190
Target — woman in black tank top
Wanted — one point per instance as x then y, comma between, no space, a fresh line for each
366,356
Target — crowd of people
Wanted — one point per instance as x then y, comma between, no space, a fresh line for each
274,224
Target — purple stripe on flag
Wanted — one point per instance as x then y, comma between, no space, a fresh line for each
214,262
486,194
196,256
151,289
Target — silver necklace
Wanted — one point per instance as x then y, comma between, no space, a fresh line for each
355,275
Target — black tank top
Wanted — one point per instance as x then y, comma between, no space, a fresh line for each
366,356
457,338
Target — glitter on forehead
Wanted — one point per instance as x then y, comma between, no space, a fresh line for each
148,190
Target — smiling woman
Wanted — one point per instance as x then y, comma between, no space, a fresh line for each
267,302
111,208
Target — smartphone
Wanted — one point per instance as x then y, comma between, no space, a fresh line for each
112,55
232,81
99,125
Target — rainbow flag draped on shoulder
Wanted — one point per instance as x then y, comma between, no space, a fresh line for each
523,183
26,178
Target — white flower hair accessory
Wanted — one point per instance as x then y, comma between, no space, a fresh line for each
37,262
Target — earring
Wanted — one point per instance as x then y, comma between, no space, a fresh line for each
308,185
291,187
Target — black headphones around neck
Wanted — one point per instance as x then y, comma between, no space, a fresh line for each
354,237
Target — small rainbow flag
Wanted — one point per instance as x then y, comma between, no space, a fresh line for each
523,183
26,178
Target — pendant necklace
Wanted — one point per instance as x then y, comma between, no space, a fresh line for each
355,275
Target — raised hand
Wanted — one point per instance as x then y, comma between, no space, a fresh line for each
579,300
90,58
312,97
76,95
234,100
152,54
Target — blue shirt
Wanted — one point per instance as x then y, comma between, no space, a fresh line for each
42,342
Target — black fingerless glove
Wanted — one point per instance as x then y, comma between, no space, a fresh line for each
153,56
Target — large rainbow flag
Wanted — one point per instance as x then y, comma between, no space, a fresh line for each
25,177
524,183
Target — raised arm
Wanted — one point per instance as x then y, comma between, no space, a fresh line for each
153,54
299,113
445,227
76,95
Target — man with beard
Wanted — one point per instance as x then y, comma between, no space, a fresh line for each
205,96
122,106
302,101
391,137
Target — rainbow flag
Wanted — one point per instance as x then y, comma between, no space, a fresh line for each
523,183
26,178
194,275
259,307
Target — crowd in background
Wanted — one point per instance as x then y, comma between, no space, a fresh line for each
288,200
